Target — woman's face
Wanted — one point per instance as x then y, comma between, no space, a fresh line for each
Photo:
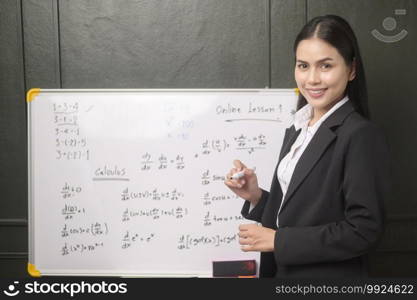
321,74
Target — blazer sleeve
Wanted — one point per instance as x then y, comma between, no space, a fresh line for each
366,186
256,213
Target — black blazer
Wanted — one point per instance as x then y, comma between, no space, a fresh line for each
333,211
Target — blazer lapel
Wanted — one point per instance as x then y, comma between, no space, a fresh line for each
317,146
308,159
289,139
269,218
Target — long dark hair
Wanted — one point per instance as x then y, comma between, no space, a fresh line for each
337,32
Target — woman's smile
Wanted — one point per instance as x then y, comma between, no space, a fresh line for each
316,93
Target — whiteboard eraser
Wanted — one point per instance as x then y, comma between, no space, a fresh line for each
234,268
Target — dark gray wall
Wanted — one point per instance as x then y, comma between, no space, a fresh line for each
13,144
197,44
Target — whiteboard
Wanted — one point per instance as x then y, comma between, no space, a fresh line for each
130,182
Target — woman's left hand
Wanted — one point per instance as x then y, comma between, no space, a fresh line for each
254,237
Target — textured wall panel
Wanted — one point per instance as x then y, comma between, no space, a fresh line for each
385,264
14,239
287,18
40,27
14,266
163,44
400,235
13,161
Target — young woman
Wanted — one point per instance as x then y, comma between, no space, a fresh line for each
324,211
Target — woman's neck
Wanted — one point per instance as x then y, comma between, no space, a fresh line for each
316,116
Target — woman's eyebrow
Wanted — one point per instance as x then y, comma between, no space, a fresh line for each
324,59
319,61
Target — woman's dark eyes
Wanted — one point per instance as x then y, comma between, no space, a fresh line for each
323,66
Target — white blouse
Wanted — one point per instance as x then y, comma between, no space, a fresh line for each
287,165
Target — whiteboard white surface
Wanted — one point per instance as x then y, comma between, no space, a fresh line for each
130,182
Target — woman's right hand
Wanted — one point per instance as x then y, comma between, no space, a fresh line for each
245,187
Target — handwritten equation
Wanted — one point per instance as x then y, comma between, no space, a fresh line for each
69,192
162,162
70,211
211,218
80,248
94,229
154,194
207,177
155,213
209,199
133,238
188,241
238,143
69,144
